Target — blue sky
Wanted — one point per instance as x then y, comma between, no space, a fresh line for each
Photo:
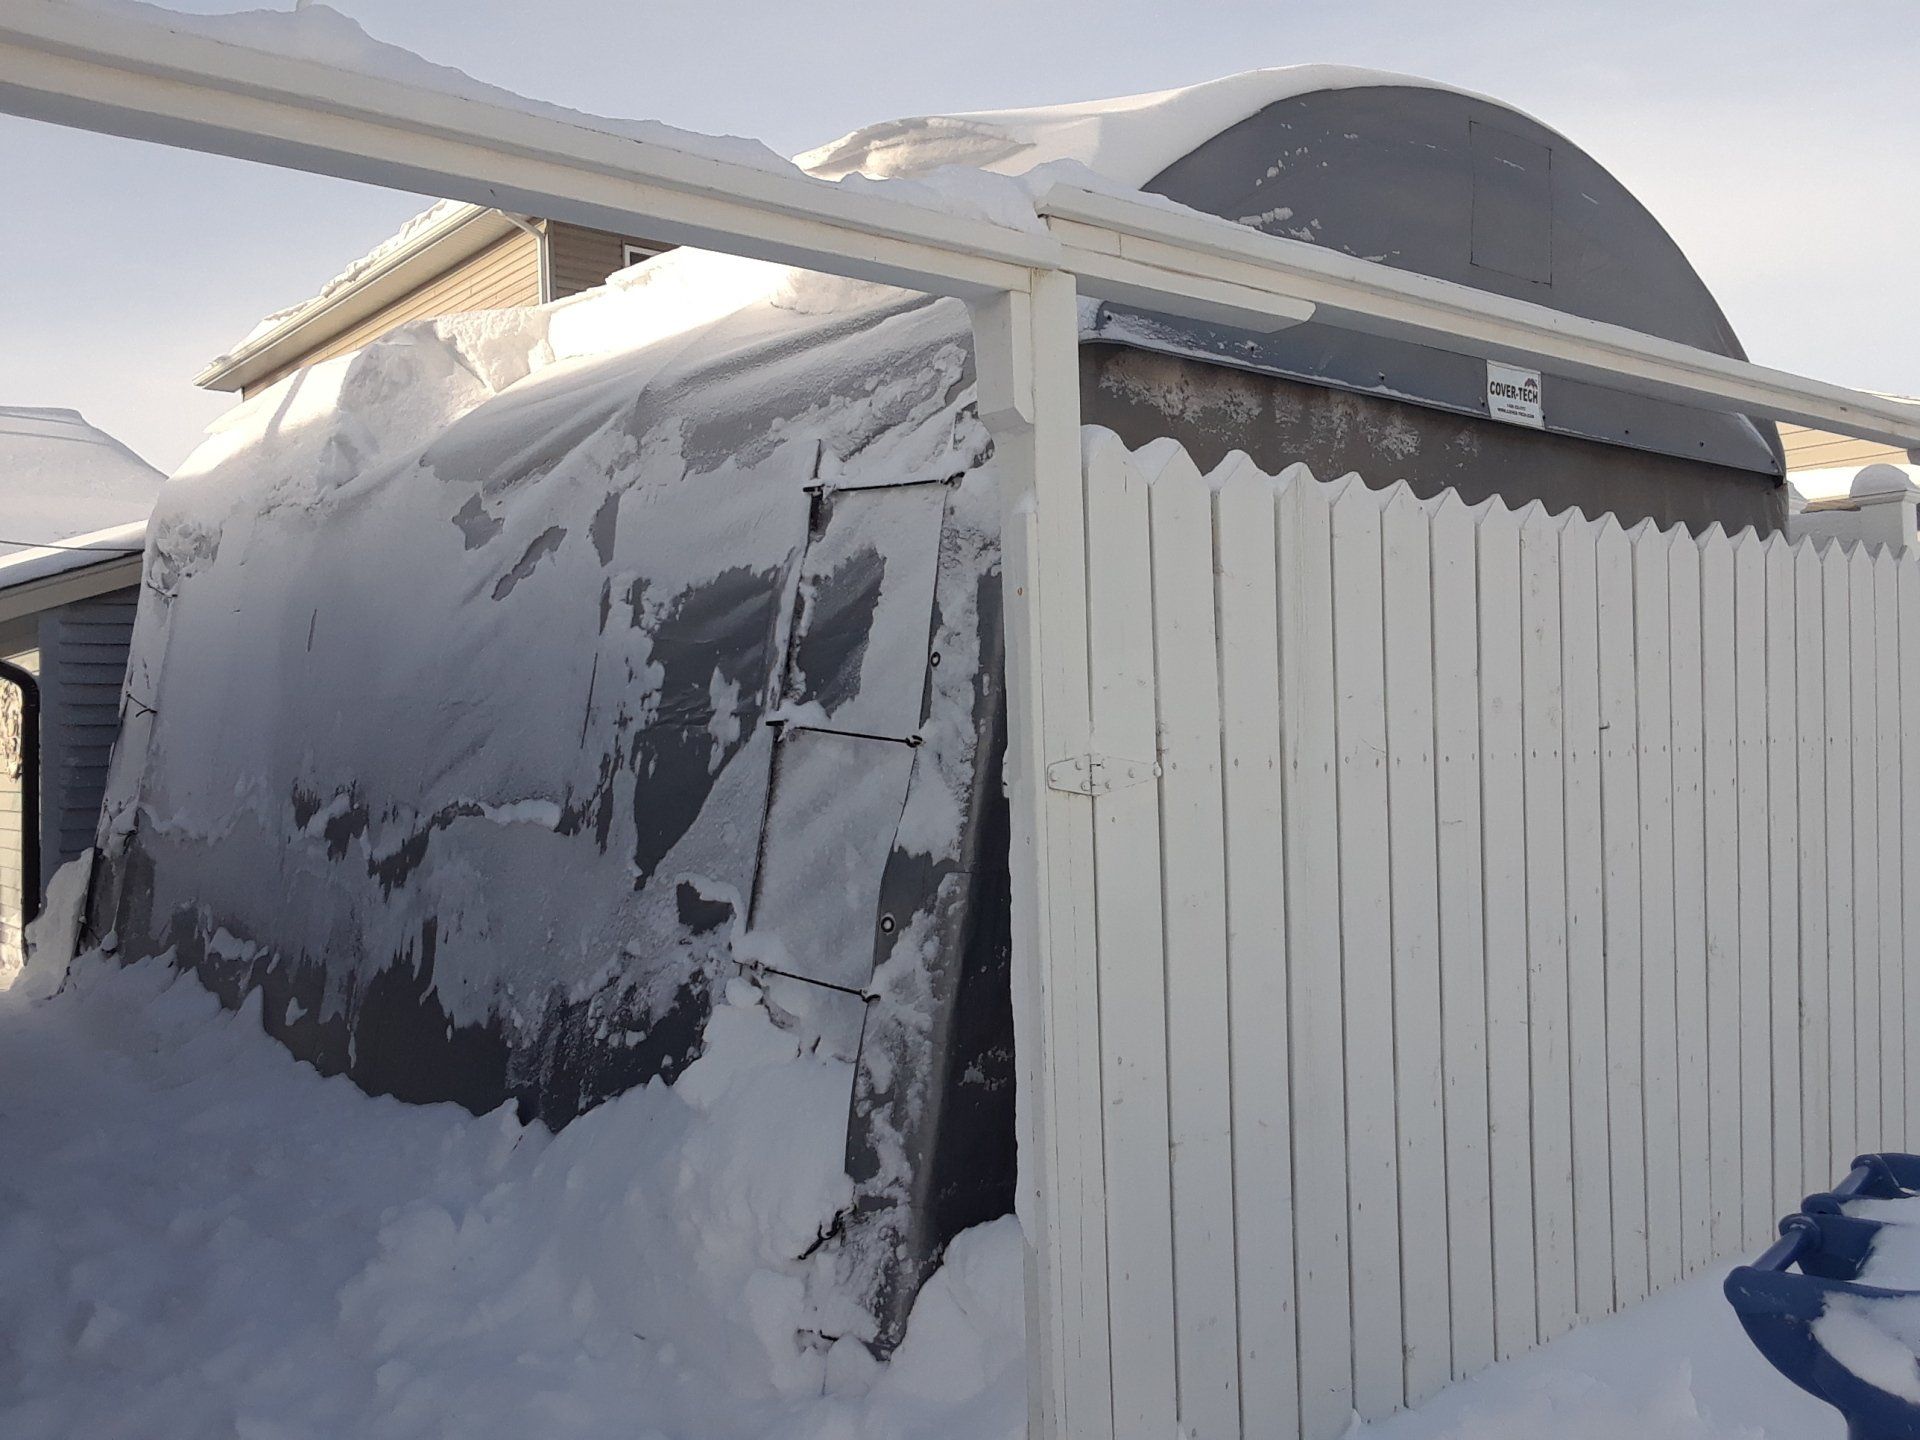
1780,143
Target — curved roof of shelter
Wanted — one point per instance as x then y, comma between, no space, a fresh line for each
1128,139
1389,168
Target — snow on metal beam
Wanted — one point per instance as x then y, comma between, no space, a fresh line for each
127,76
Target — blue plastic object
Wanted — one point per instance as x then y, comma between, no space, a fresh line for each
1778,1306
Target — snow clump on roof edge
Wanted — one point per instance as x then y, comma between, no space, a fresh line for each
1126,140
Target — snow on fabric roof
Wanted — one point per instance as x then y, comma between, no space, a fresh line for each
1127,140
65,482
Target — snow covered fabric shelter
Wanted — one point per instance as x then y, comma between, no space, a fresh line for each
511,691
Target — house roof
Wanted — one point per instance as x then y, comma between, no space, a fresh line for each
72,497
1822,465
438,238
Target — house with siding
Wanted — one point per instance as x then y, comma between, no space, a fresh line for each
1821,466
1843,488
450,258
1809,449
74,504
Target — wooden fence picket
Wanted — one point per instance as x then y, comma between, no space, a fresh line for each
1127,907
1407,589
1257,960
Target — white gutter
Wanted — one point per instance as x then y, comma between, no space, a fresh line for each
141,78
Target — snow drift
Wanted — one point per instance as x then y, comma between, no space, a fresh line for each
509,693
198,1238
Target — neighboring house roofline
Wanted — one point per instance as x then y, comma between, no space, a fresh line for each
78,568
463,232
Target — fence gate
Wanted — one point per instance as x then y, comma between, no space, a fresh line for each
1500,916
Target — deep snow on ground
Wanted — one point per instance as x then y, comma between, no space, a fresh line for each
1675,1367
1679,1367
201,1237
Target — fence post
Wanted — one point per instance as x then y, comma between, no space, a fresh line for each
1881,508
1026,357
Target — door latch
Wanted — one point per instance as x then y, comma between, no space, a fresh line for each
1093,774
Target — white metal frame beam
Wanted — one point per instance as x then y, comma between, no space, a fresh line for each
64,64
1159,245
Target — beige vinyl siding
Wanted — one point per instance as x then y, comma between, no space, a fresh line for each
505,274
1818,450
581,258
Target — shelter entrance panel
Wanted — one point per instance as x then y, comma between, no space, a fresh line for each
858,661
849,722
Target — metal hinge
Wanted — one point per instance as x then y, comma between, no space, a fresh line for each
1098,774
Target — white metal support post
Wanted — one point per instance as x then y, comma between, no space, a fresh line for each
1026,357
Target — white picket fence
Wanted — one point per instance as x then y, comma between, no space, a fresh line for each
1517,923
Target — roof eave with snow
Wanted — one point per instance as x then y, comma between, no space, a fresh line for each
79,568
462,233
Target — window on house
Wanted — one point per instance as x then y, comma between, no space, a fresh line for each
632,253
